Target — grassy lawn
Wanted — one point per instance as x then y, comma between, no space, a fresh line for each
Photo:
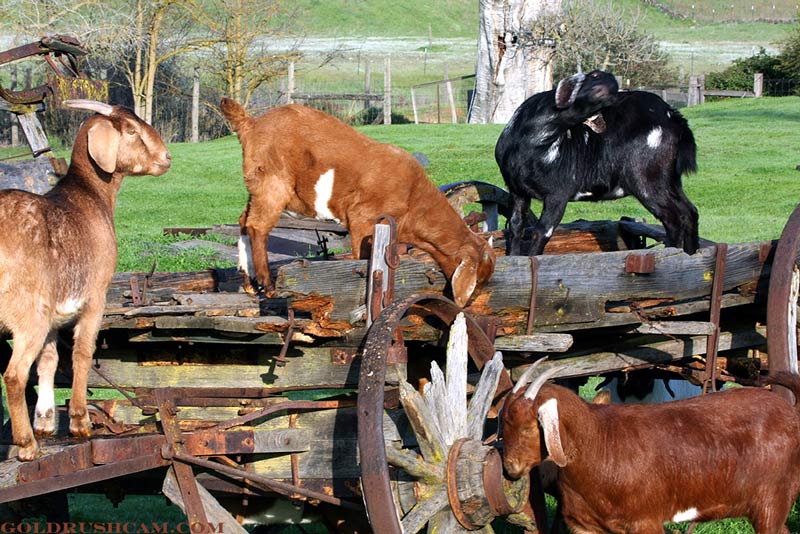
745,189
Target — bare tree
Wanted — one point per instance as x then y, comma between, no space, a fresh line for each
246,45
513,61
602,35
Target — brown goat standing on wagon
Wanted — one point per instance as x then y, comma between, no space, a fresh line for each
633,467
58,253
304,161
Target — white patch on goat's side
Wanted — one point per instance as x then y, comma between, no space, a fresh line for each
654,137
549,232
245,256
324,190
69,307
585,138
552,152
687,515
580,195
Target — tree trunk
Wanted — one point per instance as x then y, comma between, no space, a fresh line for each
511,65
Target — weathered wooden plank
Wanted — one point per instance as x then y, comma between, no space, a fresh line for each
253,367
542,342
646,355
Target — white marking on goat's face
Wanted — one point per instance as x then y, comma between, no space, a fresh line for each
245,256
654,137
618,192
687,515
585,194
552,152
324,190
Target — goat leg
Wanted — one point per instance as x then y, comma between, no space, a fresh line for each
520,205
552,213
27,346
44,421
85,337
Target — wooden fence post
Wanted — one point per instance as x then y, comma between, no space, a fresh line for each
387,91
14,125
196,106
693,95
758,84
367,85
449,87
290,83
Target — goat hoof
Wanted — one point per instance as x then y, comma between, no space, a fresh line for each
28,451
79,424
44,424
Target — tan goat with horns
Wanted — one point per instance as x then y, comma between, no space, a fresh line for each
58,253
633,467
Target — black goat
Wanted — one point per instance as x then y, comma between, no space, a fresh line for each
638,146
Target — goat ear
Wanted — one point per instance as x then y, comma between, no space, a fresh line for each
567,90
103,145
464,280
548,419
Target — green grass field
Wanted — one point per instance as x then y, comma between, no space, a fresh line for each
745,189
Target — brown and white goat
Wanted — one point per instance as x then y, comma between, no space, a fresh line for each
632,467
58,253
304,161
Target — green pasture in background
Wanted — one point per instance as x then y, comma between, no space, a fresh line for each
746,187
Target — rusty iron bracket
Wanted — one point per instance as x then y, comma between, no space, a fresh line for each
146,410
64,47
280,359
195,511
139,297
715,305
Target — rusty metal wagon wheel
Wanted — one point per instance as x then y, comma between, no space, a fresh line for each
448,479
784,286
494,200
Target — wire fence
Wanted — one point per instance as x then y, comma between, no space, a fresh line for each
729,10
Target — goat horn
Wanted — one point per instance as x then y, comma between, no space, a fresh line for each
540,380
526,376
91,105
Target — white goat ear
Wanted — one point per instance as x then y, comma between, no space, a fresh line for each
464,280
548,419
567,90
103,145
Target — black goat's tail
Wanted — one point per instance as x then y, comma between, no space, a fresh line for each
686,160
789,380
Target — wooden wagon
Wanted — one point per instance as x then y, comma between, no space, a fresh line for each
312,396
227,402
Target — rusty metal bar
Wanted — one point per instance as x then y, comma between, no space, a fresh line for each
291,405
715,305
79,478
781,338
264,482
192,501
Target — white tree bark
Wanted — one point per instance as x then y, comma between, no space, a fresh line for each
511,66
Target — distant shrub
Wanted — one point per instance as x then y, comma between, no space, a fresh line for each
739,75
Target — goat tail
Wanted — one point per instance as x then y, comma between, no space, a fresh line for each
789,380
234,112
686,160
